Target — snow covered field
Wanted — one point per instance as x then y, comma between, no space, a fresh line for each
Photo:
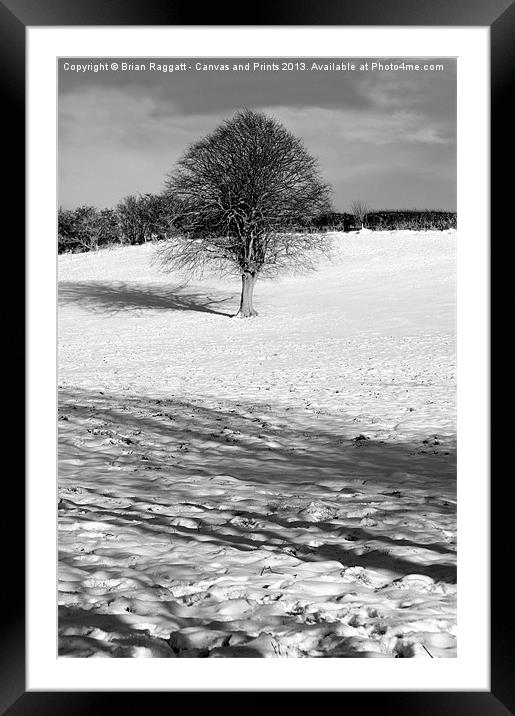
282,486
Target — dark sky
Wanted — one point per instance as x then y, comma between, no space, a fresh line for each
384,136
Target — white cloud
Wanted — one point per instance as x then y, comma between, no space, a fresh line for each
373,127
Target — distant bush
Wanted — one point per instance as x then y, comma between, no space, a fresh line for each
78,229
144,218
107,227
332,221
411,220
136,220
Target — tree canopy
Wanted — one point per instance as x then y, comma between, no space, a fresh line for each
241,191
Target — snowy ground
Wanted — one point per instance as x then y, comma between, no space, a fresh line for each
274,487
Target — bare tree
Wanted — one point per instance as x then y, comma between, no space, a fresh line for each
241,190
359,210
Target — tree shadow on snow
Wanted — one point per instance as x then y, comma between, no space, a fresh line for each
82,633
112,297
239,444
120,446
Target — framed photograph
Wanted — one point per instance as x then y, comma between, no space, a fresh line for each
258,410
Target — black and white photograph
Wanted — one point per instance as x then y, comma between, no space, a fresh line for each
257,357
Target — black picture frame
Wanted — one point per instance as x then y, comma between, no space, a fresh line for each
499,16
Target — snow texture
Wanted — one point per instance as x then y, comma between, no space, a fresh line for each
281,486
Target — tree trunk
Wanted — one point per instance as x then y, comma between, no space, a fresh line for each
248,281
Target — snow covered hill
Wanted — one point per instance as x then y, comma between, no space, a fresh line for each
282,486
